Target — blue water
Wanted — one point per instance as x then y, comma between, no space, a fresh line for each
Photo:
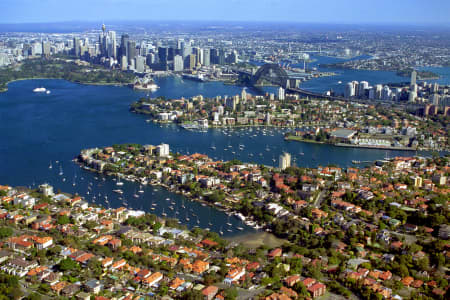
38,129
324,84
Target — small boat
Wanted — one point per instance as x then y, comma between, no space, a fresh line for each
119,183
50,166
163,213
118,191
240,228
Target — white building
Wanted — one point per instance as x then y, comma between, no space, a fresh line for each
281,94
162,150
285,161
178,64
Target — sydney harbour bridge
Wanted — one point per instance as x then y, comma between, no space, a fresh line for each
274,74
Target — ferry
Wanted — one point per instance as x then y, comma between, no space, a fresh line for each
198,77
40,90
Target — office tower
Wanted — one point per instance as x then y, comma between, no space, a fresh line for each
220,110
76,46
221,58
190,61
131,51
244,95
363,86
112,44
413,77
140,64
231,103
123,63
46,48
206,57
124,45
386,93
214,56
281,94
178,64
233,57
435,99
151,59
162,150
179,43
412,96
163,53
170,54
201,56
349,90
378,89
186,49
268,118
435,88
285,161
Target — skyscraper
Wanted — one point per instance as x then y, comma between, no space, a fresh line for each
112,44
178,64
206,57
285,161
124,45
131,51
76,46
281,94
413,77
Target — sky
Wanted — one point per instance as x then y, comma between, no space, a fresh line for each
311,11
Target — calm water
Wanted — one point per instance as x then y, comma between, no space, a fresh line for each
373,77
39,129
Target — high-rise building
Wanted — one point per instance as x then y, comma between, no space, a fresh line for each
123,63
76,46
178,64
163,150
378,90
349,90
413,77
163,54
206,57
124,44
111,44
284,161
362,87
412,96
140,64
244,95
46,48
386,93
131,51
190,61
281,94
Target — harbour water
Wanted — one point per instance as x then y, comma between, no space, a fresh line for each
39,129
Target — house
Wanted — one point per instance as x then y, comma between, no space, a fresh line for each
93,286
292,280
209,292
19,267
317,289
277,252
70,290
153,279
199,266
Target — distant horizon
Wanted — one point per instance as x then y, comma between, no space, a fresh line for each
350,12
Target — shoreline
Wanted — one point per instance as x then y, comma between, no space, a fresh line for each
53,78
353,146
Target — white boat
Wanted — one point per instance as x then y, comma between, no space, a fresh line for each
47,92
40,90
118,191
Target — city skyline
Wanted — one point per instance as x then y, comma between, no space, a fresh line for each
342,12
